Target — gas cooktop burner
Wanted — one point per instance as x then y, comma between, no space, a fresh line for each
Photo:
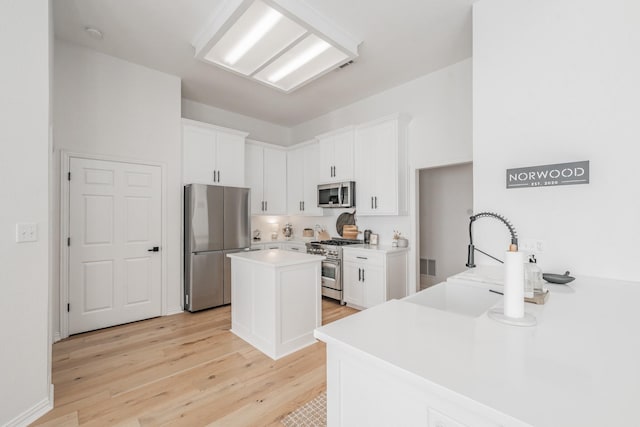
340,242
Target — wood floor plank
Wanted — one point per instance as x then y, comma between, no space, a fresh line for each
182,370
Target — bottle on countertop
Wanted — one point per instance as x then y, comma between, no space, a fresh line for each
532,277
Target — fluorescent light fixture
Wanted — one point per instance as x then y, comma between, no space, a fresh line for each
283,44
263,26
299,61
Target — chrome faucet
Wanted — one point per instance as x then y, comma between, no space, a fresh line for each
471,248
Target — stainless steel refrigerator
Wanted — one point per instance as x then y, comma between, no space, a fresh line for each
216,223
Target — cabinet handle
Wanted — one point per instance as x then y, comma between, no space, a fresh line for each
376,201
303,206
214,176
359,275
371,202
295,249
218,176
363,275
266,205
362,257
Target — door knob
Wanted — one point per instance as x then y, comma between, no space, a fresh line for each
154,249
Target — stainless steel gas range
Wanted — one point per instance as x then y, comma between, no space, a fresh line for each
332,265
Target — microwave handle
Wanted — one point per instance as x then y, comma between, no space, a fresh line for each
340,193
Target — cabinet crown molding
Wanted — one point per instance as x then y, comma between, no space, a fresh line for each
209,126
266,144
336,131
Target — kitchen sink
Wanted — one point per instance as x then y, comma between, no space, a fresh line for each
467,300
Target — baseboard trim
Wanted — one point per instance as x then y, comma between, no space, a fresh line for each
174,311
33,413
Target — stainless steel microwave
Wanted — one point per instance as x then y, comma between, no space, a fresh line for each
337,195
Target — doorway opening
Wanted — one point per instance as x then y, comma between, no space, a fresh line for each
445,202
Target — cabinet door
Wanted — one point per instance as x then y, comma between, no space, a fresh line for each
295,247
254,177
385,158
295,181
373,286
325,164
268,246
310,173
275,181
230,159
343,156
352,284
198,158
365,169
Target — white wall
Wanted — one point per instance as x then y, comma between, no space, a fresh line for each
556,82
109,107
439,134
25,364
258,129
446,197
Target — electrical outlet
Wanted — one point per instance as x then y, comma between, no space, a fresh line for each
26,232
533,246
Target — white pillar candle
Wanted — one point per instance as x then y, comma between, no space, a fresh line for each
514,284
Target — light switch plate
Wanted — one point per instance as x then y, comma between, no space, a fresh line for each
26,232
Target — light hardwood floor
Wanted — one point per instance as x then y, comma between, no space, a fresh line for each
181,370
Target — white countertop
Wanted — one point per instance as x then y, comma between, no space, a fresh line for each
579,366
377,248
299,240
276,257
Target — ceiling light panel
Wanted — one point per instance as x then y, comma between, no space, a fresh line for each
306,60
259,34
281,43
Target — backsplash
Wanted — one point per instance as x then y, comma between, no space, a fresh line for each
384,226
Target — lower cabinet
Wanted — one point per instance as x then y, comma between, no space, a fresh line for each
372,277
294,247
363,391
288,246
266,245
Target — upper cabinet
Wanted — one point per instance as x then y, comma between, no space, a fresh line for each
380,166
266,175
336,155
302,180
212,154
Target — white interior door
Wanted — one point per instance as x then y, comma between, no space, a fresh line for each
114,224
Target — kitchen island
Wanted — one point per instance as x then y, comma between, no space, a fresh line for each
430,360
276,300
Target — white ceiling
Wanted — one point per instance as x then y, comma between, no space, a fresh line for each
403,39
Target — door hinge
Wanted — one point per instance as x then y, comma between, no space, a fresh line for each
68,241
68,307
68,176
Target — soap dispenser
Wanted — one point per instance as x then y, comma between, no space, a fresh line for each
532,277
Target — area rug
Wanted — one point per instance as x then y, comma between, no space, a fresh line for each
311,414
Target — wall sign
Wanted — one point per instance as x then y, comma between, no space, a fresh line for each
549,175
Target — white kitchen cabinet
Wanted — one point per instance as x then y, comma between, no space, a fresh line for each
266,245
266,175
212,154
372,277
294,247
302,180
336,155
381,166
